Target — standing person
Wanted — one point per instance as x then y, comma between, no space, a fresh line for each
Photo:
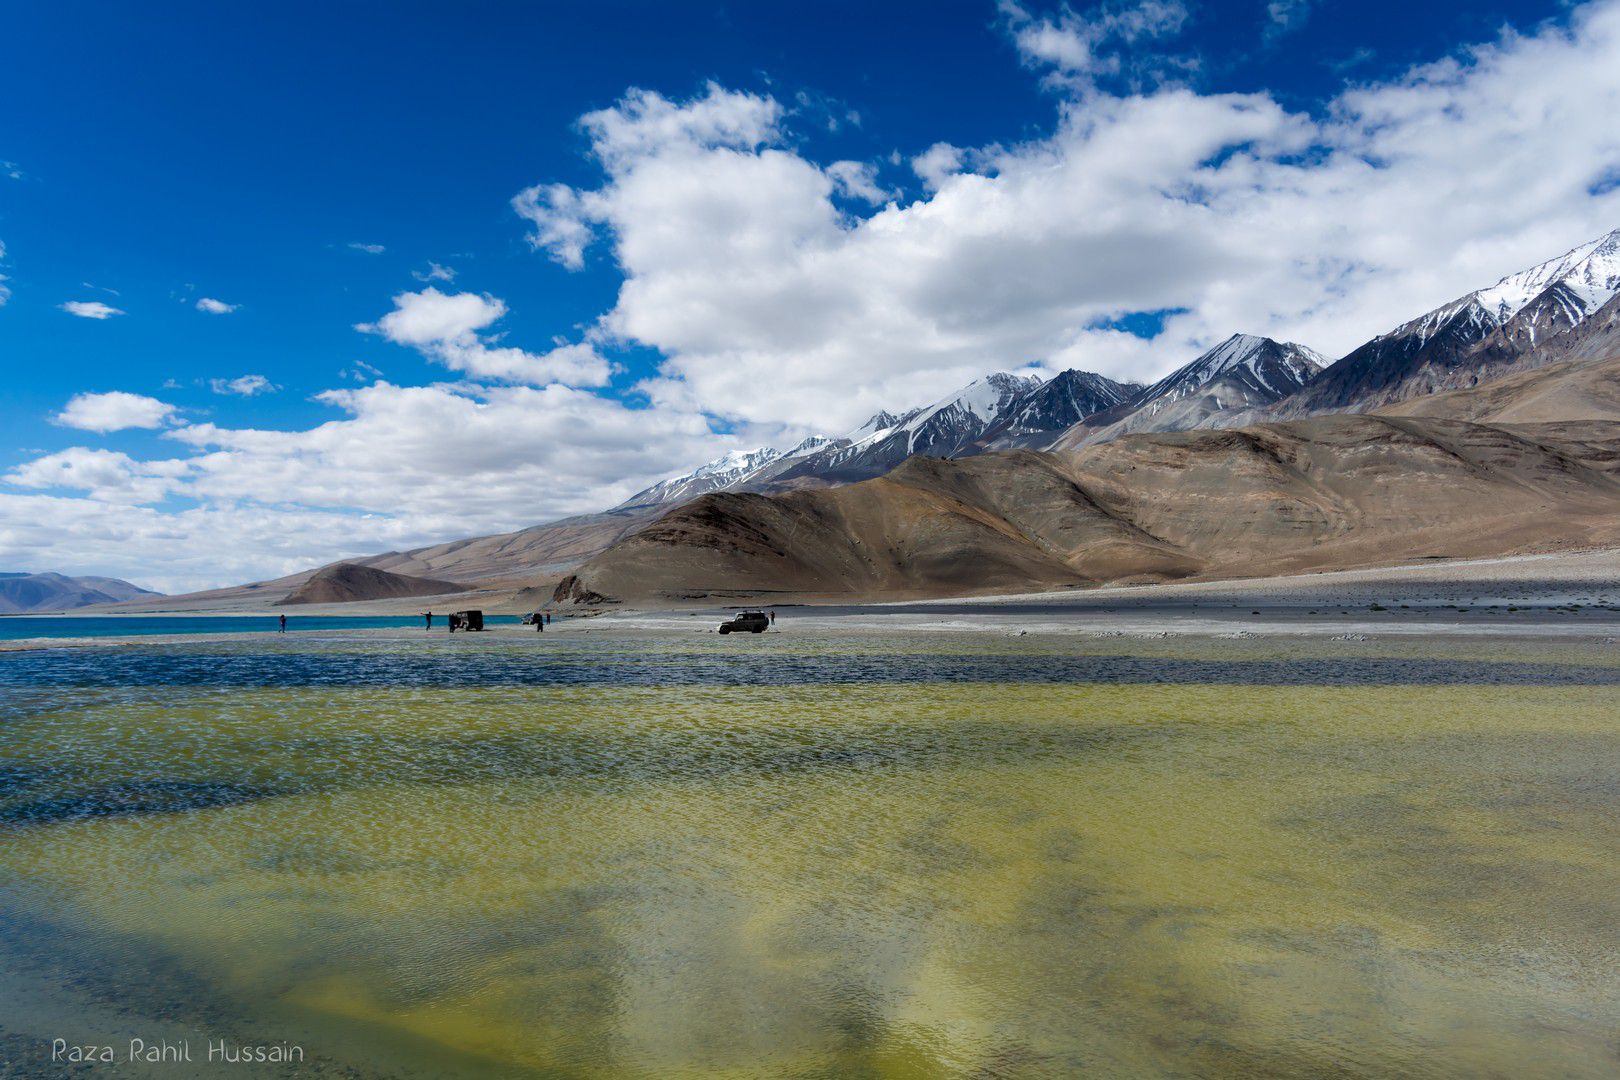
283,624
548,616
773,616
539,623
429,616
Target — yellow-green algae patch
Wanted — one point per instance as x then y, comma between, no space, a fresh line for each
898,881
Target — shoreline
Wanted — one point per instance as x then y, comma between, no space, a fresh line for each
1563,595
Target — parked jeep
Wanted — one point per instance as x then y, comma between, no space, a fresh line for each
753,622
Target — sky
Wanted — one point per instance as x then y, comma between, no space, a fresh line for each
289,283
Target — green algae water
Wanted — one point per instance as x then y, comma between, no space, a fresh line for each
937,856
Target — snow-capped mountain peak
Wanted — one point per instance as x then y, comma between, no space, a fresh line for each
737,461
959,423
1581,280
1043,413
726,471
806,447
1591,272
879,421
1488,332
1273,367
972,408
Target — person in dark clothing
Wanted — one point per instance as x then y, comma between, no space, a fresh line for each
539,623
548,617
283,624
429,616
773,618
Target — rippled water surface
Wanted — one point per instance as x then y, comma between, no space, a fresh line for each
16,627
945,856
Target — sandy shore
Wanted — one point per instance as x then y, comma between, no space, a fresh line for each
1559,595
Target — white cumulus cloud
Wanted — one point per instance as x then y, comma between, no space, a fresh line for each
395,467
445,327
115,410
90,309
210,306
105,475
646,125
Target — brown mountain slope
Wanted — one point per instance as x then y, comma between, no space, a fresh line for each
1572,390
347,582
540,550
1330,492
998,521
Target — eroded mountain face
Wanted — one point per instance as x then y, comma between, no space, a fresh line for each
1324,493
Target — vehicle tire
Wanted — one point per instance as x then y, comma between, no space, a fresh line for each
759,629
725,629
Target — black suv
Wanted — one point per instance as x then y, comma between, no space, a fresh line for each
752,622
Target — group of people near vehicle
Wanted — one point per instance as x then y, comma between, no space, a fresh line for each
538,618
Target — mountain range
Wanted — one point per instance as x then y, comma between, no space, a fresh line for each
1327,492
1004,411
1482,335
999,409
1561,315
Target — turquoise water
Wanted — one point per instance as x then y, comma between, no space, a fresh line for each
22,627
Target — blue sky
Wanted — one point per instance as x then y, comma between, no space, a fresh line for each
744,223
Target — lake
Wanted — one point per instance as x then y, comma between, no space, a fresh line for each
24,627
816,856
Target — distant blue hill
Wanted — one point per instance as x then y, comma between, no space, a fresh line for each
22,591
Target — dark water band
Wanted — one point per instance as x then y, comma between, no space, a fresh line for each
171,669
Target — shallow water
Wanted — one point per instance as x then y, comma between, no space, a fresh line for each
24,627
946,856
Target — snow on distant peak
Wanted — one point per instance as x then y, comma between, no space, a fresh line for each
1246,353
1234,352
736,461
983,398
807,446
878,423
1591,272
